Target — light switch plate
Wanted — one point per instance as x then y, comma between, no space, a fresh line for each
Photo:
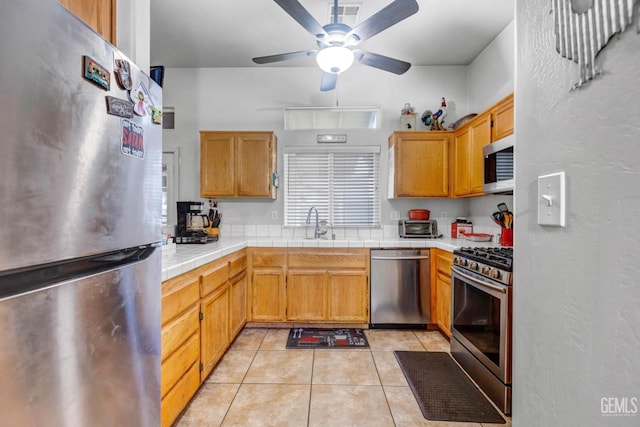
551,199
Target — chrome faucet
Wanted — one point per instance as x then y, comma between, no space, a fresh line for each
316,234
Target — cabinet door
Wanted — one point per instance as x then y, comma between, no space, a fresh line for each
217,164
348,296
443,302
502,115
268,300
254,165
306,295
99,15
237,304
461,167
480,135
214,329
421,164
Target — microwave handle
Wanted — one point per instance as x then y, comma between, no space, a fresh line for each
499,145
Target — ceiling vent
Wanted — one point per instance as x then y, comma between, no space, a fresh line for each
347,13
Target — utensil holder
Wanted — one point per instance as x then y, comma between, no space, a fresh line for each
506,237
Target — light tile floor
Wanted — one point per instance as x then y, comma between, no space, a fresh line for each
261,383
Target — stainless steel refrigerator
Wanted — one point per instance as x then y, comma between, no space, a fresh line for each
80,222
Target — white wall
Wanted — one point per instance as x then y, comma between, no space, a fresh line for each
253,99
490,78
576,292
491,74
133,31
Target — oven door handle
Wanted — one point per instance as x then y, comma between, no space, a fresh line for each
399,258
480,283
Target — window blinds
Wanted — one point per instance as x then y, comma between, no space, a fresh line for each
343,186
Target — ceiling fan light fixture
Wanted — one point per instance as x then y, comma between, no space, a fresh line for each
335,59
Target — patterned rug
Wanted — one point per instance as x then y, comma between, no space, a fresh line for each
443,390
326,338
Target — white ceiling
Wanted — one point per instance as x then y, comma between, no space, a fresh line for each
217,33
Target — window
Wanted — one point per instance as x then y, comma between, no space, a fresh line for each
343,185
170,174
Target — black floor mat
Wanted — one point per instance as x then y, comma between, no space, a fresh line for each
443,390
326,338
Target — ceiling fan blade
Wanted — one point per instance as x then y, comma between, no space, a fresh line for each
303,17
283,56
385,18
381,62
329,81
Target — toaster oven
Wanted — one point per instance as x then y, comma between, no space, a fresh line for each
418,228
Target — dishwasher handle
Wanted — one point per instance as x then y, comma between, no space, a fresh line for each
400,258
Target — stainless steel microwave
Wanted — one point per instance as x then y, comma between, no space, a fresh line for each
498,166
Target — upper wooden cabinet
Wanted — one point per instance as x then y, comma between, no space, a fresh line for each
98,14
502,116
467,160
420,164
237,164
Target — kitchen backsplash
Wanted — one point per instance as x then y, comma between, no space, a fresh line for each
386,232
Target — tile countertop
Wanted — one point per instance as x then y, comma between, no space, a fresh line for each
179,259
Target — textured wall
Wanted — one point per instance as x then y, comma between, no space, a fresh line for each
577,296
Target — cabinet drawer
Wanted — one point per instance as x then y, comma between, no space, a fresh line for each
443,261
175,333
174,367
268,258
178,294
215,276
176,400
332,259
237,264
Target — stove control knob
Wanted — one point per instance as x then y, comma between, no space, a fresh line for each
473,266
494,273
485,270
462,262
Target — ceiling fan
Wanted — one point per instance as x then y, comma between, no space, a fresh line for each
336,40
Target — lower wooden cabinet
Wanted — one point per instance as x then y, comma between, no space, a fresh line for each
237,304
178,397
214,328
328,285
180,345
441,262
309,285
348,296
202,312
267,296
306,295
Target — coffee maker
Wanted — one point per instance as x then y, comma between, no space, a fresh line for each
191,224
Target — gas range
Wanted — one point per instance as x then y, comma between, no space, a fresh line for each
493,263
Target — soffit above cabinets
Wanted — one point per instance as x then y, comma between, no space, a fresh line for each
315,118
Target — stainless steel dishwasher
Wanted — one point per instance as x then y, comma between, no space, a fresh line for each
400,288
